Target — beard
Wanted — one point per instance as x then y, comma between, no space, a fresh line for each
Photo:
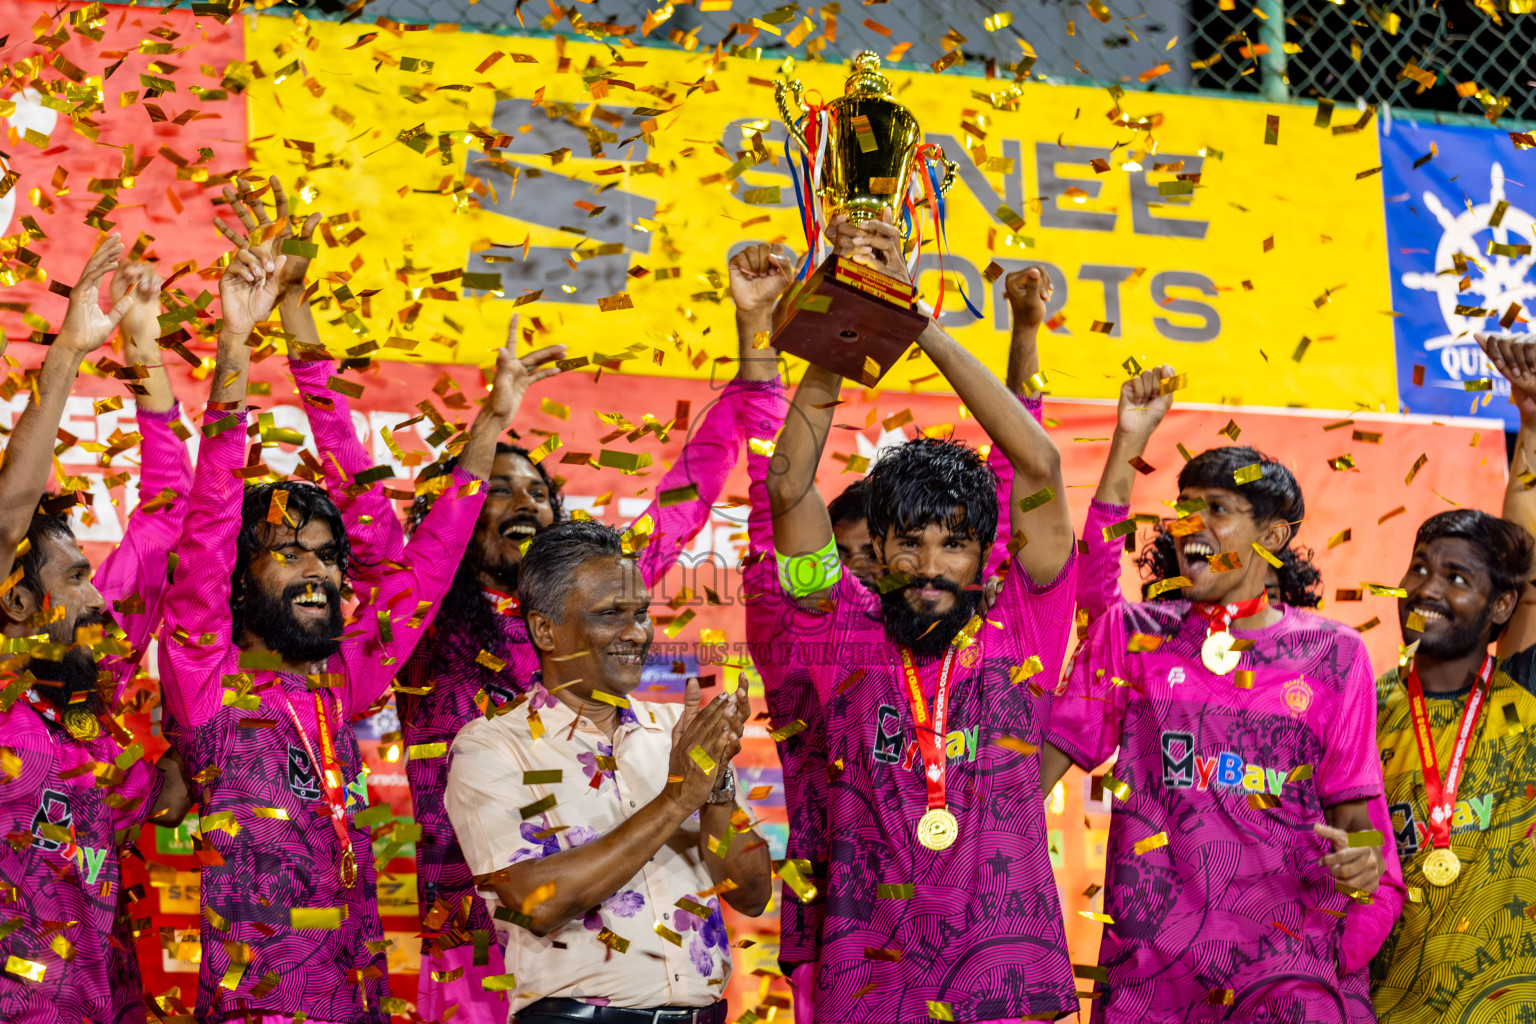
273,621
1463,638
926,633
58,682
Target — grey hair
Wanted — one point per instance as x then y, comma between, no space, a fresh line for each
546,578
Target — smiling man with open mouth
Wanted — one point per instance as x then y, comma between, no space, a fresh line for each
1247,780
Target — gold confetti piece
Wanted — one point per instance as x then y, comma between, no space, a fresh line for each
1141,643
1265,554
548,777
538,807
668,934
499,983
426,751
1223,996
1271,129
939,1010
554,408
1163,586
1093,916
1120,789
1028,670
1418,464
1168,385
610,303
1415,894
1372,624
319,918
1248,474
1512,723
1151,843
1342,537
1300,773
702,759
792,729
25,968
1090,971
277,511
1370,837
679,495
1379,590
768,196
900,891
1227,561
1244,679
1034,501
1342,462
271,812
608,698
617,943
1262,801
1017,745
490,661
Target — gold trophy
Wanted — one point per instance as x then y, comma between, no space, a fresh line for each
847,317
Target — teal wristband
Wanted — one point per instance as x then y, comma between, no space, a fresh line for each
802,575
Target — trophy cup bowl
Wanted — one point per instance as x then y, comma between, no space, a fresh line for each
847,317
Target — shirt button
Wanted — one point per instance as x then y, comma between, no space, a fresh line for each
631,803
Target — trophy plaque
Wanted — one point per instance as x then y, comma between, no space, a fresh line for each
862,151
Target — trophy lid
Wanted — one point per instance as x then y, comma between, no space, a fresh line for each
866,79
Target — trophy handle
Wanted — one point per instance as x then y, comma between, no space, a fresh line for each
792,115
951,169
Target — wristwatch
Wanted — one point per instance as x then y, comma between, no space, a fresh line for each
725,789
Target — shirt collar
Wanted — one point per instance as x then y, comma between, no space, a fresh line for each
558,715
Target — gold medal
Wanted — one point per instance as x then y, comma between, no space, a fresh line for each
348,868
1441,867
938,829
1218,655
82,725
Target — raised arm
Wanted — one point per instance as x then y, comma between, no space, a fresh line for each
1514,355
1029,293
1141,410
134,577
198,628
29,453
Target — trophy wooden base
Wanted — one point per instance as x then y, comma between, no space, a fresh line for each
851,320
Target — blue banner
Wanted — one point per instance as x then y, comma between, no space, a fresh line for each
1442,218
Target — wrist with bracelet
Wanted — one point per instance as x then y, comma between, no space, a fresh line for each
725,787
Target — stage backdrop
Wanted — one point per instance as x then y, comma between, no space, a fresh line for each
605,189
1360,522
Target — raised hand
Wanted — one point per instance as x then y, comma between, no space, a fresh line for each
86,328
759,275
516,374
713,730
1141,406
140,283
1514,356
875,244
248,289
1029,293
260,229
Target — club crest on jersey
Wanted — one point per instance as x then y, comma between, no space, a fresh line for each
1298,696
302,779
52,809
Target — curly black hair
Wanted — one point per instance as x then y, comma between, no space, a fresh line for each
1274,495
928,480
1506,547
306,502
423,502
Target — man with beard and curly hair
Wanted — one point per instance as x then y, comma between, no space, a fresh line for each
777,627
1214,702
479,651
262,675
68,948
939,899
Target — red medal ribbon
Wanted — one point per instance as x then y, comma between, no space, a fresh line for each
1219,617
328,767
506,605
930,736
1441,797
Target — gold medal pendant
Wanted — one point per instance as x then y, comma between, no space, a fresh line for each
82,725
938,829
348,868
1441,867
1217,653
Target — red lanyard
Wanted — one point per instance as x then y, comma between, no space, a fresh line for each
930,736
1219,617
329,770
1442,797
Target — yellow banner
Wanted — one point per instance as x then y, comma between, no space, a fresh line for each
605,188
